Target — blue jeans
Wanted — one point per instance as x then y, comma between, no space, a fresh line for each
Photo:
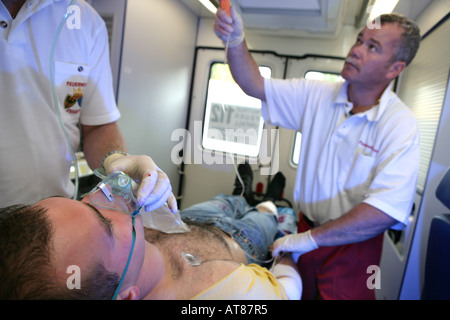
254,231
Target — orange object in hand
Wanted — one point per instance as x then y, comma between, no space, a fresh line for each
225,5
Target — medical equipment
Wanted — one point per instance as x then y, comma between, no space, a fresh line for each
117,192
225,5
164,220
116,292
191,259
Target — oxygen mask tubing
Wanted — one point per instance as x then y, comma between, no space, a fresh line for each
117,192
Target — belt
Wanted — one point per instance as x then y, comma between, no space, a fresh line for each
312,224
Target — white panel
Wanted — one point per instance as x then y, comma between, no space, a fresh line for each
281,4
423,88
158,51
295,18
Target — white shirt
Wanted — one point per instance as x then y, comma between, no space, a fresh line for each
370,157
35,158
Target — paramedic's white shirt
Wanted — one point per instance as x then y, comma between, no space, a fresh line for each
35,158
370,157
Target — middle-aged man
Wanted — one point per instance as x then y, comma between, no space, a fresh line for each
360,152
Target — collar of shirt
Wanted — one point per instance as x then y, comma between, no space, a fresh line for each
28,9
373,114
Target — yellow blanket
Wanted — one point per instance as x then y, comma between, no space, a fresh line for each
251,282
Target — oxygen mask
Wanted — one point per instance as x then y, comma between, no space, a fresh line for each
117,191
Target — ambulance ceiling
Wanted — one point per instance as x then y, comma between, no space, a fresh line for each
305,18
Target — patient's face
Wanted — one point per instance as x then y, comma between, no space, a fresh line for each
84,234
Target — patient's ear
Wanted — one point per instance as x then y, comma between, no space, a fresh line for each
132,293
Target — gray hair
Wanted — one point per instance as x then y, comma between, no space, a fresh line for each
410,40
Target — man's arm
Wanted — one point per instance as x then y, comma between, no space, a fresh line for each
359,224
154,185
245,71
243,67
100,140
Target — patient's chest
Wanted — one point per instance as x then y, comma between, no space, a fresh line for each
202,256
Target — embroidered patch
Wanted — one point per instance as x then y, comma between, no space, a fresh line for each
70,102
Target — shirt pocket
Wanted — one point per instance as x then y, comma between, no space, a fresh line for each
70,85
71,82
357,175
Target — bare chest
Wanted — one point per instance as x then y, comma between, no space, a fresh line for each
198,259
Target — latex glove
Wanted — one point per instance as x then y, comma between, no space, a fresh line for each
298,244
229,29
154,185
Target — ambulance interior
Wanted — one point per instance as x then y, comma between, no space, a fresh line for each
168,68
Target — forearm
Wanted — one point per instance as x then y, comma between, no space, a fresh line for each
243,67
359,224
245,71
99,140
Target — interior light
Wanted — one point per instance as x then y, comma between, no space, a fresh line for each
209,6
381,7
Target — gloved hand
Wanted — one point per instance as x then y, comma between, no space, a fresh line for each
229,29
298,244
154,185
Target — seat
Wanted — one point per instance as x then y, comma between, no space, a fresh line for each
443,189
437,266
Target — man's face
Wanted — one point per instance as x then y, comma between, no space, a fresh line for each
84,235
370,58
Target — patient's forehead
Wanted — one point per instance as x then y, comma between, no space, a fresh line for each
78,238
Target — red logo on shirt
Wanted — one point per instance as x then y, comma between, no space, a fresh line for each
365,145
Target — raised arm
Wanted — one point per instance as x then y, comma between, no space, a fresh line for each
243,67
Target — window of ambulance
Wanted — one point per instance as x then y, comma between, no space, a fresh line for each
233,122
